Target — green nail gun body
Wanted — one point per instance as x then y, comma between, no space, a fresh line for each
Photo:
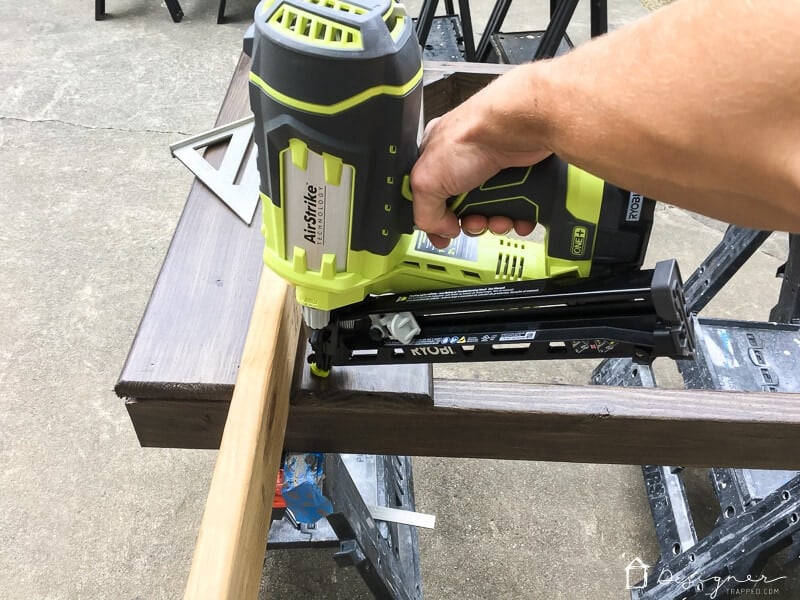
336,91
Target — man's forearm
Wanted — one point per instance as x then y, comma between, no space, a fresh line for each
696,105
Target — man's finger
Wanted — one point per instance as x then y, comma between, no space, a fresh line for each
524,228
500,225
446,227
430,204
438,241
474,224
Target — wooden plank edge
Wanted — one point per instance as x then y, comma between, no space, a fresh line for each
433,68
229,555
526,422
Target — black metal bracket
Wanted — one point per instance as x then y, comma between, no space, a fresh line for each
736,247
670,509
221,12
425,22
556,29
758,510
623,372
175,10
599,17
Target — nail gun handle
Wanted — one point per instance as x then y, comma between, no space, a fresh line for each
586,218
566,200
521,193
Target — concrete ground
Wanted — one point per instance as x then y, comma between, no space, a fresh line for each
90,197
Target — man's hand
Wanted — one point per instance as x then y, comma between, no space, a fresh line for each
459,152
715,132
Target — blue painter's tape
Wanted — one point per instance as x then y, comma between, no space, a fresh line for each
302,486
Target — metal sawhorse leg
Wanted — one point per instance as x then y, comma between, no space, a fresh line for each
173,6
561,12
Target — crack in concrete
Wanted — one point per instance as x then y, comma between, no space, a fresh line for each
90,127
771,254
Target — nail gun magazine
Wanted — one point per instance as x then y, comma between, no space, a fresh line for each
336,92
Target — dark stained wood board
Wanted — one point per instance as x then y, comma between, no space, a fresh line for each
448,84
595,424
515,421
192,333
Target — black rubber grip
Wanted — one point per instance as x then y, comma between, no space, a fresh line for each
617,239
521,193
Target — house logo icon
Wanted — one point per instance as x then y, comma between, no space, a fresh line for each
636,575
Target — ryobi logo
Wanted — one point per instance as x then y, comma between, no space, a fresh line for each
634,212
579,236
433,351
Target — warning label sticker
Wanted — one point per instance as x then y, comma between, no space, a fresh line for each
517,336
469,293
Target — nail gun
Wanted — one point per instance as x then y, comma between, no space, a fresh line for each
336,92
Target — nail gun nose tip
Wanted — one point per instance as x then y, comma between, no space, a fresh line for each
315,370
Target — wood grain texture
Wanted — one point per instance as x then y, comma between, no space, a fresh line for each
192,333
409,384
564,423
527,422
198,423
229,556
